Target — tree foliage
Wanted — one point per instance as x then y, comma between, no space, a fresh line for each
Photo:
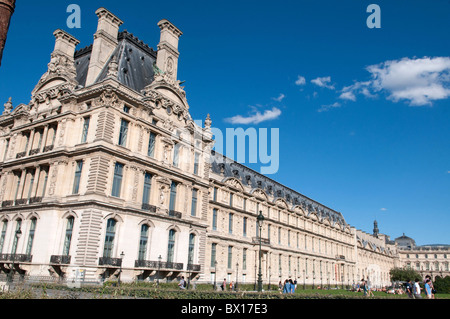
442,285
404,274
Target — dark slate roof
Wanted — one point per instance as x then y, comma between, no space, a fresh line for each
135,62
227,167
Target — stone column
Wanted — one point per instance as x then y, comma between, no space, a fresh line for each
6,11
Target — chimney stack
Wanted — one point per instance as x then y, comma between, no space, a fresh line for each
65,44
6,11
167,59
105,41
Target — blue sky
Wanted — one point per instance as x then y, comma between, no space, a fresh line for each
363,113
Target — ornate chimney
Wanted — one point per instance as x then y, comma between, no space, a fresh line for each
167,59
105,41
6,11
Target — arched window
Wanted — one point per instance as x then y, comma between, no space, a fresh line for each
68,236
191,249
31,235
3,235
171,247
18,225
109,238
143,242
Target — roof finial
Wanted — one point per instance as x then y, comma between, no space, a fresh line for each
8,106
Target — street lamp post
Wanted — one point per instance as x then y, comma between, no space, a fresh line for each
237,276
215,274
11,271
260,222
159,270
304,280
120,270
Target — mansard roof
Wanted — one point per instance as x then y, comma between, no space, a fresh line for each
227,167
134,58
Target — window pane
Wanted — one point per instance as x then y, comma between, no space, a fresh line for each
117,182
76,182
123,133
151,145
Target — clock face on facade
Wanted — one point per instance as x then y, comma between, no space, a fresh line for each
169,65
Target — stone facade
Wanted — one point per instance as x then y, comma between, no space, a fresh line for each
106,173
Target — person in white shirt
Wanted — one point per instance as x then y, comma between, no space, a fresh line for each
416,290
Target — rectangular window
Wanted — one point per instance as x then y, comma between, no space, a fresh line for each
85,129
2,238
230,257
123,133
31,236
117,182
244,259
231,199
215,194
151,145
147,188
196,163
44,186
76,182
176,154
6,149
173,196
194,202
68,237
213,255
214,221
230,223
245,227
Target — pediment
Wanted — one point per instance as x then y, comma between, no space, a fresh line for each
234,183
258,192
281,202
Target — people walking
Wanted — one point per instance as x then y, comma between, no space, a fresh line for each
409,289
182,283
287,287
427,288
416,290
433,291
292,286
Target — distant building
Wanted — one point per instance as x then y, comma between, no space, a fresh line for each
430,260
106,173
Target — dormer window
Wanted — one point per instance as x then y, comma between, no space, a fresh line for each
126,109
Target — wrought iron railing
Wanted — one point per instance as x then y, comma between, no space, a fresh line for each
192,267
34,152
21,154
60,260
108,261
173,213
264,241
158,265
7,203
149,207
16,258
35,200
48,148
22,201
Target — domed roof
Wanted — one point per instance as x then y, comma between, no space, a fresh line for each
405,241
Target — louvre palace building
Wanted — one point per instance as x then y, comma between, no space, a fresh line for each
105,173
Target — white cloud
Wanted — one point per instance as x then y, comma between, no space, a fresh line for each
383,209
323,82
331,106
279,98
301,80
348,96
419,82
255,118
